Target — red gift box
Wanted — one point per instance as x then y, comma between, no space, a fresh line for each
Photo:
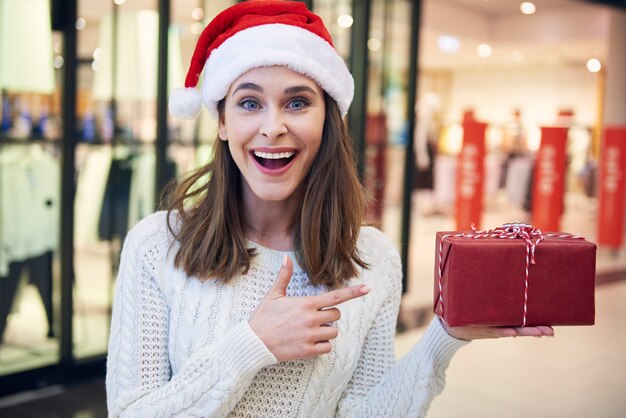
515,275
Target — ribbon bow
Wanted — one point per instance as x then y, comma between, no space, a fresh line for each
517,230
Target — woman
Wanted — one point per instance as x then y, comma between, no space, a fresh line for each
259,293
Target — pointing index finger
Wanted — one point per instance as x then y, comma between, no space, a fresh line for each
339,296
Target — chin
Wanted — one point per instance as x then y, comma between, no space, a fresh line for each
271,195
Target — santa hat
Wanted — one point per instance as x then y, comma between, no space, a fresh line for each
256,34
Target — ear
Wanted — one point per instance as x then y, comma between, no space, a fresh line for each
221,129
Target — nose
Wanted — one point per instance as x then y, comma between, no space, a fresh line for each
273,125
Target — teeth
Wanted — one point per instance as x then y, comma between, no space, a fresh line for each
274,155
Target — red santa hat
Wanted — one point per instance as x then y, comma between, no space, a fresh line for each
259,33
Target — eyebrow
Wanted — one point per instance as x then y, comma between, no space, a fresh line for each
248,86
288,90
299,89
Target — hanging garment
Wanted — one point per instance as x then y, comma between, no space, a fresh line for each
30,180
114,213
94,165
39,274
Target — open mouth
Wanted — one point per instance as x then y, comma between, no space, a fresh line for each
273,160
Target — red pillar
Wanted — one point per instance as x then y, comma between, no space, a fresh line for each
470,176
611,187
549,179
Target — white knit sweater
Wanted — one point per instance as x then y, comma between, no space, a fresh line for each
181,347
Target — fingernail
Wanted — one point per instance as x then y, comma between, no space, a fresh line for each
285,260
365,289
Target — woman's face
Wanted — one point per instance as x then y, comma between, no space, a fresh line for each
273,120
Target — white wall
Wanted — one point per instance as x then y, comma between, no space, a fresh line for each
616,69
582,21
538,92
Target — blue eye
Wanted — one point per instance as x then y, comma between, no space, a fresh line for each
249,104
298,103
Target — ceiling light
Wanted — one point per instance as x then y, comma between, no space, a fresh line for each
58,61
527,8
373,44
484,50
119,2
80,23
594,65
448,44
197,13
345,21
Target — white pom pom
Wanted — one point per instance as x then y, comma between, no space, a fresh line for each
185,103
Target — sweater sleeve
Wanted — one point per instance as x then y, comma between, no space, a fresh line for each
382,387
139,381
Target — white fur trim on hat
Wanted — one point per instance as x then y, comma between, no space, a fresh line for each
276,44
185,103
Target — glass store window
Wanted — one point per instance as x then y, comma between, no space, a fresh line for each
115,152
115,168
29,186
387,113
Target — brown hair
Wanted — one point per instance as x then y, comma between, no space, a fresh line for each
211,228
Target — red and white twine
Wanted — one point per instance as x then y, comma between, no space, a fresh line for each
532,237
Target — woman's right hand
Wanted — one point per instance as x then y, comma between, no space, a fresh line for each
298,327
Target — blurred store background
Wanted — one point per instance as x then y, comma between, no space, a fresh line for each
452,115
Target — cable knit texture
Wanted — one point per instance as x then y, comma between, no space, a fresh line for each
181,347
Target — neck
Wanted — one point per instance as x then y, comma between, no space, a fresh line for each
270,237
270,224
